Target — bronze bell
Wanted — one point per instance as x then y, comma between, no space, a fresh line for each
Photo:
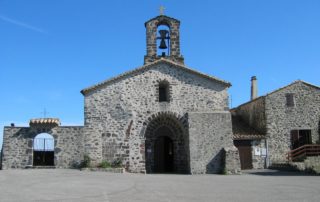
163,44
163,36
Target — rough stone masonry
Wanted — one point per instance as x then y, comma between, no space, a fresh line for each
161,117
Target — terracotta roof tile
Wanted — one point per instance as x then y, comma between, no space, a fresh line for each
242,130
42,121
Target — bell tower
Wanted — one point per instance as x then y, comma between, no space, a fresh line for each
163,39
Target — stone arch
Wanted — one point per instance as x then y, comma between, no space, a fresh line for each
165,22
163,30
43,149
45,145
174,127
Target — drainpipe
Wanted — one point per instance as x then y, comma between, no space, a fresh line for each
267,154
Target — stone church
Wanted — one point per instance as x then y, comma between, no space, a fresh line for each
160,117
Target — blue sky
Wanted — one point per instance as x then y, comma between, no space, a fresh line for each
50,50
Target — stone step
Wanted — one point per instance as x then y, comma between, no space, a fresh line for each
42,167
283,167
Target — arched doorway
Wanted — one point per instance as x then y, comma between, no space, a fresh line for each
166,145
163,155
43,150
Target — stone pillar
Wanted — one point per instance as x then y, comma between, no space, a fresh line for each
232,161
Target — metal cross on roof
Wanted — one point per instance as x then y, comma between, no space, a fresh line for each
161,9
45,113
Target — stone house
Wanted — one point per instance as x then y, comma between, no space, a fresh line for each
161,117
268,127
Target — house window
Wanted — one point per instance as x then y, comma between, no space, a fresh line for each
163,92
300,138
290,100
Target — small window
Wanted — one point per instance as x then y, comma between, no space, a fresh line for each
300,138
163,92
290,100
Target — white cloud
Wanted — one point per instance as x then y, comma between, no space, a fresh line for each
22,24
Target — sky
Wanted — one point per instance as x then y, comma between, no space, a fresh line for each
52,49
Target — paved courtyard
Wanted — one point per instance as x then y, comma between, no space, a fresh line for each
74,185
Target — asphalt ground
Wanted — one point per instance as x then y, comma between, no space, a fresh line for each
65,185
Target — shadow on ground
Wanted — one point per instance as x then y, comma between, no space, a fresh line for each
269,172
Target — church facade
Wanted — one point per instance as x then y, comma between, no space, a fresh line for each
160,117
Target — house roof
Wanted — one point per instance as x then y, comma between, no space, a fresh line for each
291,84
242,131
148,66
279,89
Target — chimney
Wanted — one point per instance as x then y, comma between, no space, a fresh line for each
254,88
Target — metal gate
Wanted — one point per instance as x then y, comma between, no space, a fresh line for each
43,152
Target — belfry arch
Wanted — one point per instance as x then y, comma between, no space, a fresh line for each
169,38
167,144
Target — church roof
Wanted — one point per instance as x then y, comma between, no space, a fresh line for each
149,65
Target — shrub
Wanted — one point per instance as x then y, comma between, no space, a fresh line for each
224,171
117,163
86,162
104,164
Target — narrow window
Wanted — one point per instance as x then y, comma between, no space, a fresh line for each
290,100
163,92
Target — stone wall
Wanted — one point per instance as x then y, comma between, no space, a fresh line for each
253,113
258,160
232,161
282,119
18,146
312,164
117,114
69,147
1,159
209,134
